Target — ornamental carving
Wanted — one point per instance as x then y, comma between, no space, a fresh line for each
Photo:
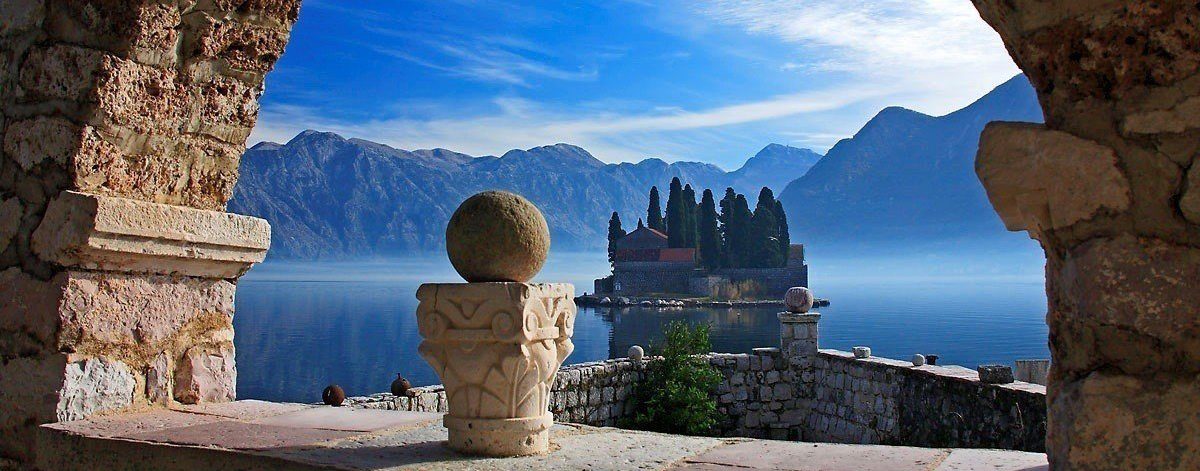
496,348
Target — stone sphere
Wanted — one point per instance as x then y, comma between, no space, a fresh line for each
497,236
333,395
798,299
918,360
636,353
862,352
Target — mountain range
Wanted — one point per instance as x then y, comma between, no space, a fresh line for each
904,178
328,196
907,179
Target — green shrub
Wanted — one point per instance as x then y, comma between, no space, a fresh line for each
674,396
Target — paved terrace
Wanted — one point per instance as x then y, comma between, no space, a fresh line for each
255,435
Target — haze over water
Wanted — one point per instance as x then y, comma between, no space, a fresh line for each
303,325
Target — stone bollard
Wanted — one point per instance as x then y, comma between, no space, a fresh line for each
497,341
995,374
798,347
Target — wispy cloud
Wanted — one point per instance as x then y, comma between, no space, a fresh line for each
518,123
939,50
498,59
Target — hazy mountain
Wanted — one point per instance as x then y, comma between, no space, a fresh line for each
327,196
907,179
774,166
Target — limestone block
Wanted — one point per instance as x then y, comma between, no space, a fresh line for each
18,16
160,380
206,375
143,30
1104,421
94,385
61,73
100,232
1038,179
34,140
497,348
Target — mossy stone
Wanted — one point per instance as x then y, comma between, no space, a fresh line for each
497,236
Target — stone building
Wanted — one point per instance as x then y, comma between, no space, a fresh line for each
643,264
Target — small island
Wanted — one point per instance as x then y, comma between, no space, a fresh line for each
705,253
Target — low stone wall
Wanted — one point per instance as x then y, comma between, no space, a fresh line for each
636,278
595,393
762,395
884,401
772,282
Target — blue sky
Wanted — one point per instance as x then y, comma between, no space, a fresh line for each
703,80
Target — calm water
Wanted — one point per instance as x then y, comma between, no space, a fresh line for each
301,327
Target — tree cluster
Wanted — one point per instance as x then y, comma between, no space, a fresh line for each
734,237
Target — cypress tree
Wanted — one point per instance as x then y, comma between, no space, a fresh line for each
764,232
676,216
654,215
640,224
615,232
709,236
689,216
727,203
785,237
741,244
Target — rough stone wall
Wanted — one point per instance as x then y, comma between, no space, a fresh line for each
149,100
772,282
883,401
639,278
1110,186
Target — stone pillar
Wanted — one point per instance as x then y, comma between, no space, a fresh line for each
497,341
1110,186
121,126
496,348
798,342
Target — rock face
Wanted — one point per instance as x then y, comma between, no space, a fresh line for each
1108,187
121,127
497,236
327,196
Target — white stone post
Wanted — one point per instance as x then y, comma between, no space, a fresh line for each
497,341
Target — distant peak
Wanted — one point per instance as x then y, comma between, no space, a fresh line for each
266,145
310,135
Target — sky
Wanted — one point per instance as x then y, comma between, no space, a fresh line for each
698,80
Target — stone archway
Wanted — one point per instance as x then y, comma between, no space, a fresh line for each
1110,186
122,122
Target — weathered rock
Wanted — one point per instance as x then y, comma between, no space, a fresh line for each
862,352
95,385
160,380
636,353
918,360
1189,203
497,236
206,374
995,374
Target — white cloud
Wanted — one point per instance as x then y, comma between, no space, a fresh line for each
939,51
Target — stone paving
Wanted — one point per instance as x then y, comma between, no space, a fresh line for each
255,435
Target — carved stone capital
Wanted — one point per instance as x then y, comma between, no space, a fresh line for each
496,348
117,234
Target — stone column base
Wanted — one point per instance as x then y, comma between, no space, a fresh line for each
500,437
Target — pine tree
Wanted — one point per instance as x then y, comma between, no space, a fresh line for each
764,232
689,216
676,216
727,203
654,212
709,236
615,233
785,238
